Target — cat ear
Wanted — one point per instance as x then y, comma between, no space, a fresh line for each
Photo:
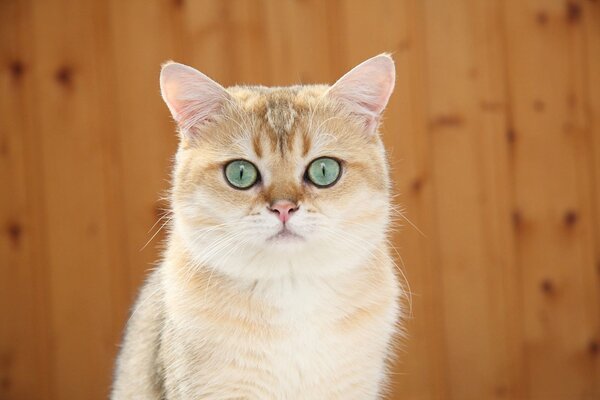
366,89
192,97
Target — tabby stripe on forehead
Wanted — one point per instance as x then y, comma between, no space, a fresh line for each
305,143
256,144
281,116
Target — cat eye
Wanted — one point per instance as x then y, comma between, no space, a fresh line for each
324,172
241,174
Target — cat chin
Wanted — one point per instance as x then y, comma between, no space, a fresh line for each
290,257
279,254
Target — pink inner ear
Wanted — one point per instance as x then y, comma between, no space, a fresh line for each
366,89
191,96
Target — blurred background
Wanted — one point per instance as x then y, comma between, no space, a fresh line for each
493,135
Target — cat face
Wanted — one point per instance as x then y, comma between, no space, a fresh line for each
277,181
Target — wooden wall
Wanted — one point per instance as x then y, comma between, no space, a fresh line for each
493,133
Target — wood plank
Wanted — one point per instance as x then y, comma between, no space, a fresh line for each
590,147
467,121
73,116
552,196
234,34
300,43
25,371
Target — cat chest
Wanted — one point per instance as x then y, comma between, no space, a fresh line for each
306,353
302,348
289,361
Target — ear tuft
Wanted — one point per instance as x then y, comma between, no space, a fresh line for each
192,97
366,89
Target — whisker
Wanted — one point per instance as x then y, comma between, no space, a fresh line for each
156,233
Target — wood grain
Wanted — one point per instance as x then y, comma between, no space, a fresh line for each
494,141
552,195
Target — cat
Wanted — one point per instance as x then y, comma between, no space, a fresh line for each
276,282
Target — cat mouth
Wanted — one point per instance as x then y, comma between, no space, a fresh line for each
285,235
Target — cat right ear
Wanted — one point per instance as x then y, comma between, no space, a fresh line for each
192,97
366,89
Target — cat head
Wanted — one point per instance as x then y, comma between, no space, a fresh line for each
283,180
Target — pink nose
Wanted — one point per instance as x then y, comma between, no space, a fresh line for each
284,209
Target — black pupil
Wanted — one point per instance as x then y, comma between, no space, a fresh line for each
323,168
241,172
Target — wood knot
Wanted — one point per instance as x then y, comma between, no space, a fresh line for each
64,75
541,17
511,135
416,185
570,218
547,287
573,12
17,69
593,347
447,120
517,219
14,231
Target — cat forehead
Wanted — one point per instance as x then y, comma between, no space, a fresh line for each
278,112
279,107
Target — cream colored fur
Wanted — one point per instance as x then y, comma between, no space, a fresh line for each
231,313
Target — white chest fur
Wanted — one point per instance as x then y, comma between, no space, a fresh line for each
303,348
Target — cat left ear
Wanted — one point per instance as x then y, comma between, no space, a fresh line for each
366,89
192,97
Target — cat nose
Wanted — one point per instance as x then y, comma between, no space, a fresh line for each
283,209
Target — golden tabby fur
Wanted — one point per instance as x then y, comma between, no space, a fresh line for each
235,311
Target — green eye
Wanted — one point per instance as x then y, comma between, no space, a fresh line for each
241,174
323,172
